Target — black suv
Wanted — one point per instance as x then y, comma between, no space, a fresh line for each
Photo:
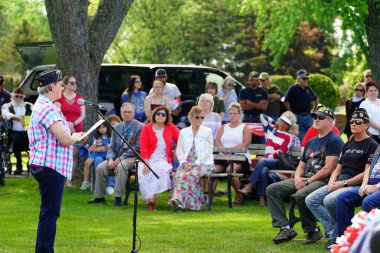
113,78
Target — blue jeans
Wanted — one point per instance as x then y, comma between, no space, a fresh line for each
259,176
323,205
346,203
51,185
304,122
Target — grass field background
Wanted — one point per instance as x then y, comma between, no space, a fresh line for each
104,228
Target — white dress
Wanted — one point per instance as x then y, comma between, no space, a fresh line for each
149,185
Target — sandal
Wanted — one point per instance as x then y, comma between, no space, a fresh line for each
239,199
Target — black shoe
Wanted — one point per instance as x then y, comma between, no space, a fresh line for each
313,237
117,201
17,172
330,243
96,200
285,235
176,205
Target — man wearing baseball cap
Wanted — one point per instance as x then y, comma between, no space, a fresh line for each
317,163
253,99
171,92
274,96
299,99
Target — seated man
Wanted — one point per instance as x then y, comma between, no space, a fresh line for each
15,112
367,195
119,156
317,163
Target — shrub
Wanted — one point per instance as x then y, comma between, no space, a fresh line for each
283,82
326,89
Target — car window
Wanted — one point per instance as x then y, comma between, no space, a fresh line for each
185,81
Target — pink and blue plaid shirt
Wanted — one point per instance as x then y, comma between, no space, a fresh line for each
45,149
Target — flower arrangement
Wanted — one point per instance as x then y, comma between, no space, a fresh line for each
345,242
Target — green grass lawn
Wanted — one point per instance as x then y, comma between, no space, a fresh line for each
104,228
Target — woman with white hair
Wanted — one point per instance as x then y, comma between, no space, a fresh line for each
212,119
228,94
278,140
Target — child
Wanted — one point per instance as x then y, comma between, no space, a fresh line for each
98,152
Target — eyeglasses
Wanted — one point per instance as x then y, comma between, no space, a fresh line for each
254,79
361,90
319,117
263,80
233,113
231,85
138,81
199,117
161,114
127,112
304,78
368,76
73,83
19,96
356,121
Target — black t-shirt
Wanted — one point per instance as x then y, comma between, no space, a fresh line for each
254,95
354,157
317,149
300,99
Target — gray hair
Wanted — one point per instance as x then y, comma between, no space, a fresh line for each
44,89
128,103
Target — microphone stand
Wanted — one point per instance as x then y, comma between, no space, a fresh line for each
139,158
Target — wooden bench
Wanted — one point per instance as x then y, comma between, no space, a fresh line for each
259,150
225,154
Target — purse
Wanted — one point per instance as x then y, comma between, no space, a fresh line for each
286,161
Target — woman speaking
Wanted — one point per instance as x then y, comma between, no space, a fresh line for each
51,154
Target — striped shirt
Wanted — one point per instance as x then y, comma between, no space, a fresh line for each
45,149
275,140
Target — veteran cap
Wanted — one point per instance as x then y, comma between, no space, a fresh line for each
49,76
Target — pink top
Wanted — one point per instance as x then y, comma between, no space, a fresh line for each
71,110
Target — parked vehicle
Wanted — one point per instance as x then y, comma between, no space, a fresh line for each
113,78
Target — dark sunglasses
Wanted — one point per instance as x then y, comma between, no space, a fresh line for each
319,117
199,117
361,90
356,121
304,78
161,114
73,83
19,96
368,76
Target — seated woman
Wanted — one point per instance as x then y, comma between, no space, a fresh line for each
194,153
135,95
234,134
212,119
156,99
356,157
156,144
15,111
278,139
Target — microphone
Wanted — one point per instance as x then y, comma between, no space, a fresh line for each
81,101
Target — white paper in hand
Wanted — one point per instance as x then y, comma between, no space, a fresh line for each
89,131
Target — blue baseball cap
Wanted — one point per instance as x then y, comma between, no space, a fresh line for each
49,76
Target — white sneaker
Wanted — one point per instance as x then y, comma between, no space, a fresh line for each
85,185
110,190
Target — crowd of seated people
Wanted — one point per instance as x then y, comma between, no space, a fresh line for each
331,179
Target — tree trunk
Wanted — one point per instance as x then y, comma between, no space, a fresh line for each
82,42
373,36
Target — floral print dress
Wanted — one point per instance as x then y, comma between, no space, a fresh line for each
188,186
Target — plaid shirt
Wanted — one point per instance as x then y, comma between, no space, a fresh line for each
45,150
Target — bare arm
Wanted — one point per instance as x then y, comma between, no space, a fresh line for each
82,115
218,137
63,137
247,137
287,106
316,102
274,97
147,109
